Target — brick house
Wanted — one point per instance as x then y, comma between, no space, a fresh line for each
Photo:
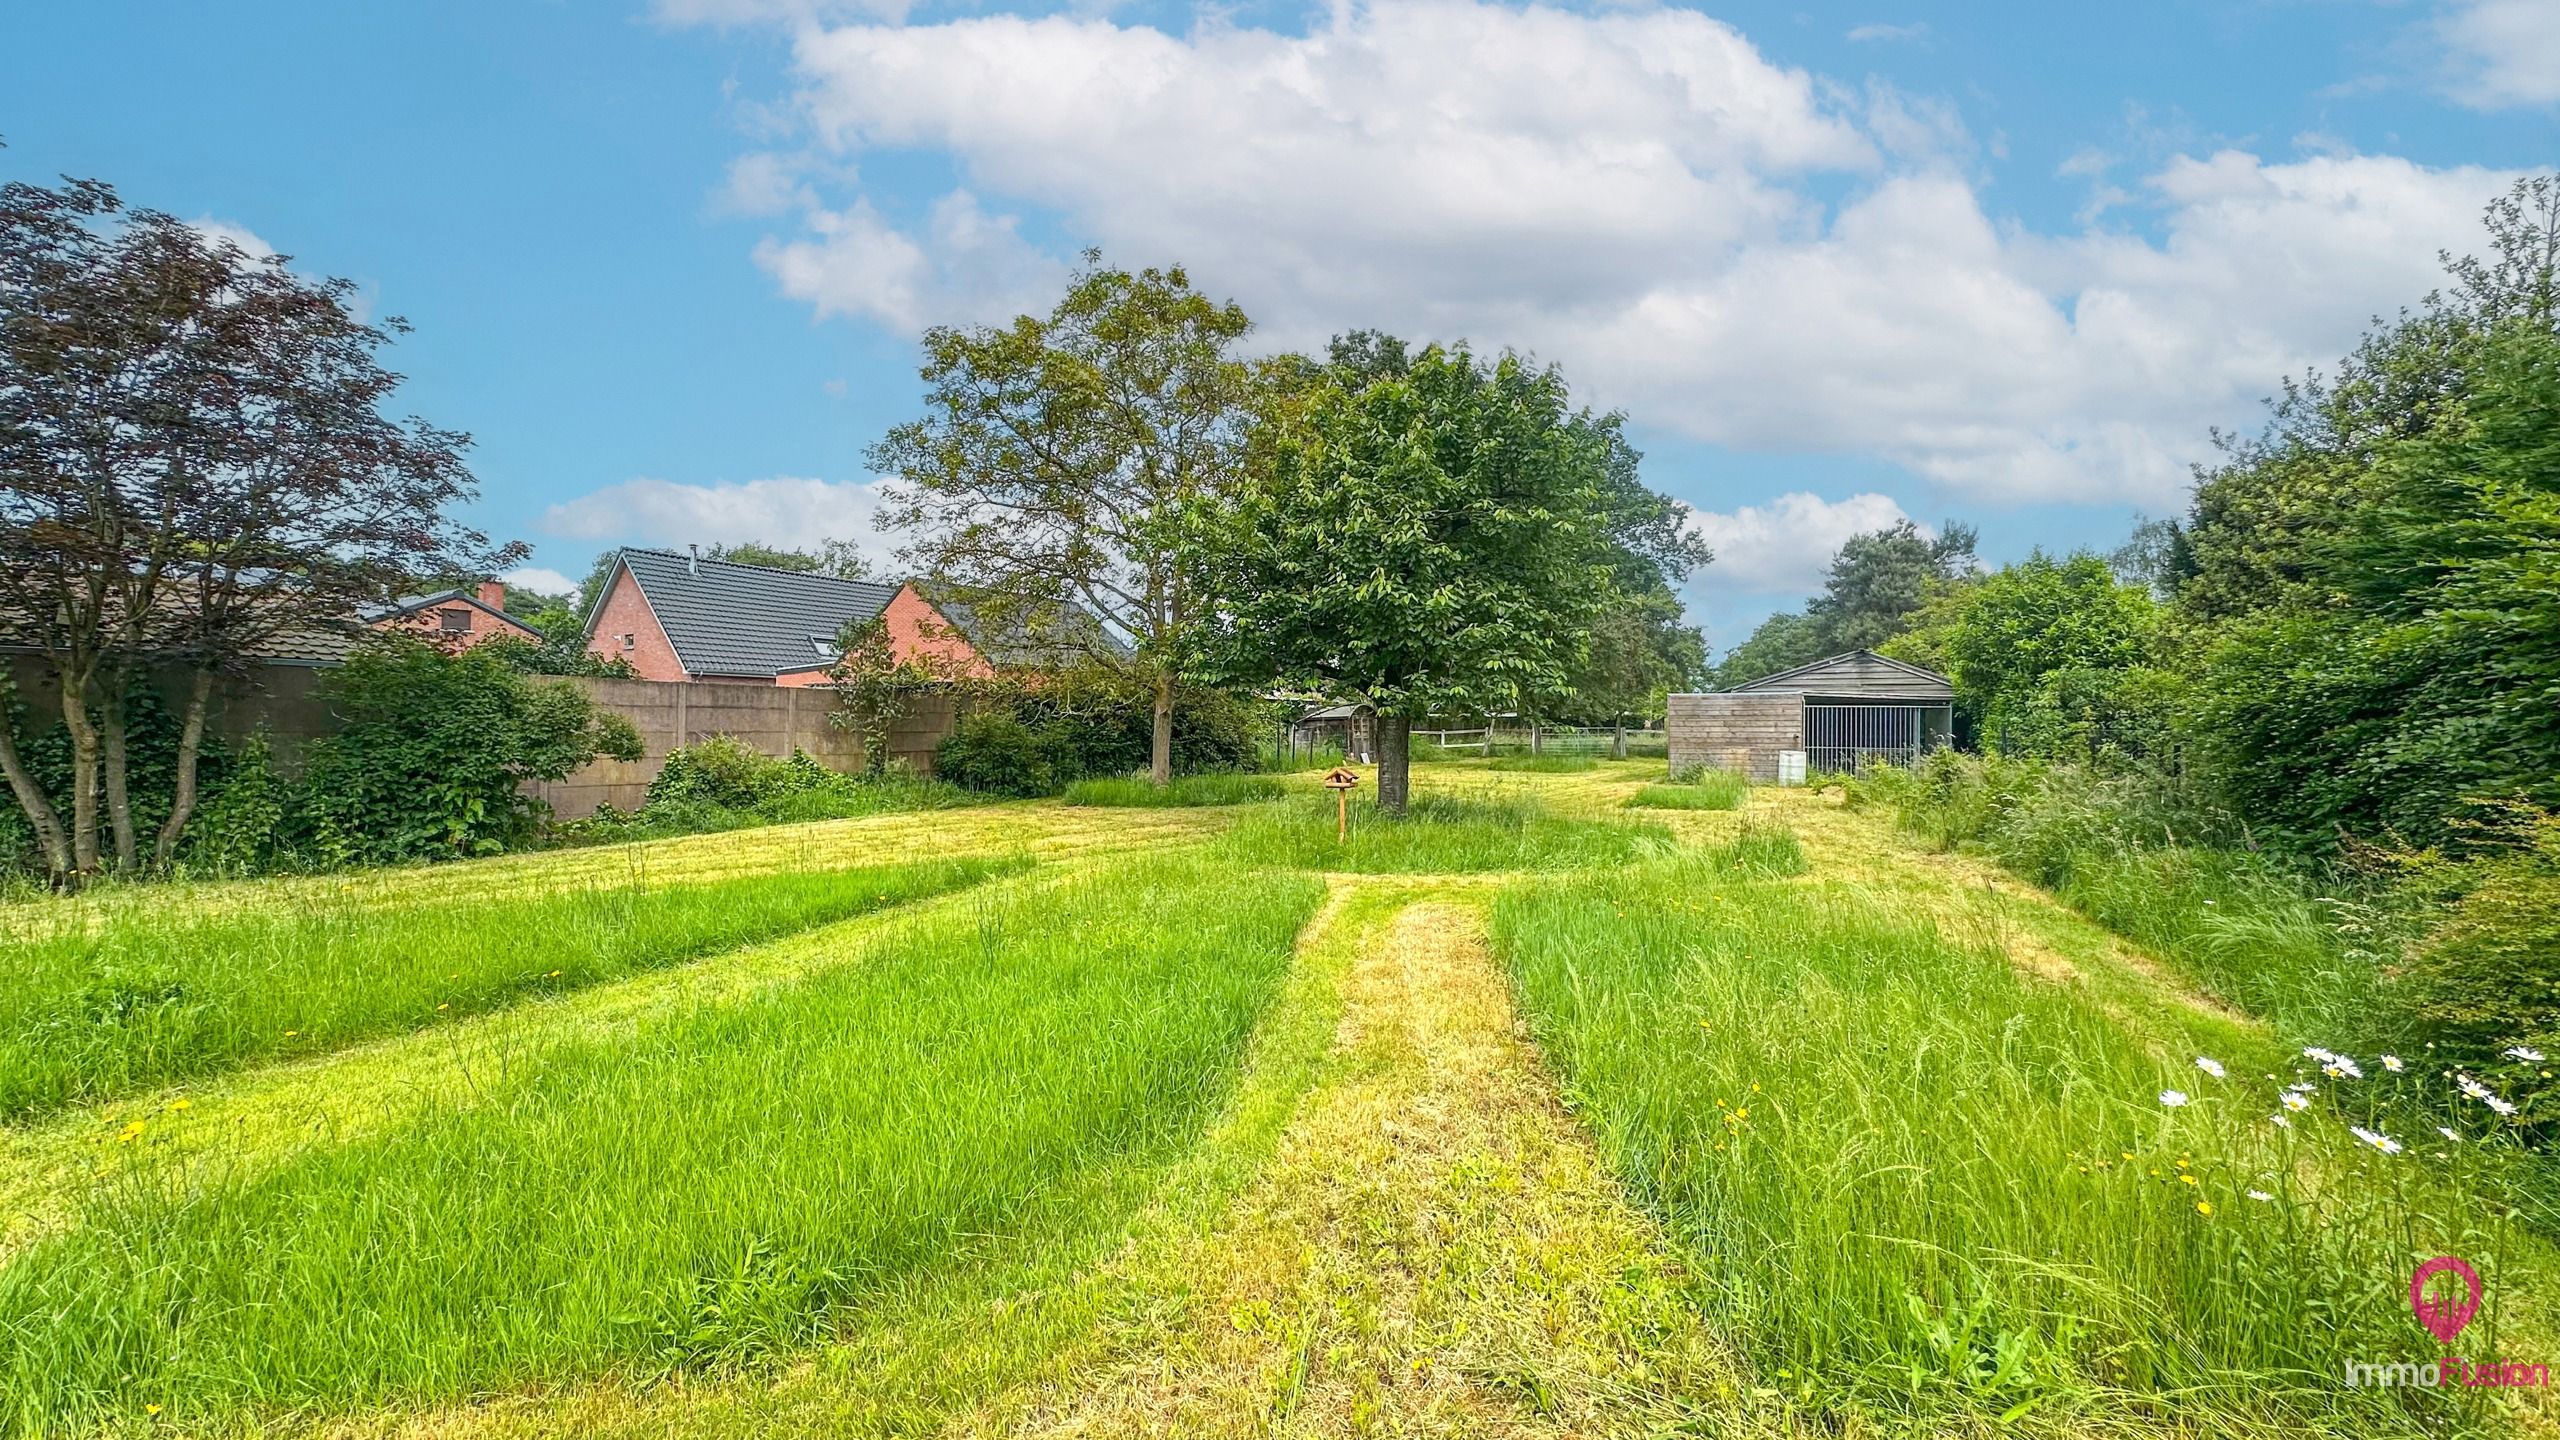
681,617
457,619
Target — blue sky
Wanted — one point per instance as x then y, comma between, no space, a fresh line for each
1839,264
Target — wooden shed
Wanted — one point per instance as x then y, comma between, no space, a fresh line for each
1842,712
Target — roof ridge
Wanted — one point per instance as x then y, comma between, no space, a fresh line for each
751,565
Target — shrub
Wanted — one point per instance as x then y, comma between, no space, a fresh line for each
996,753
434,748
2487,974
725,771
238,830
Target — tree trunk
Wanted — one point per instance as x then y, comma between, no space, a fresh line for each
182,799
1618,742
1537,739
39,811
1162,771
111,733
1395,761
84,777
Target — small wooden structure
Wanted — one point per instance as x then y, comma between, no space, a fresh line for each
1341,780
1843,712
1352,727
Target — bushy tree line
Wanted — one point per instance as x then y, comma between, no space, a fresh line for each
2353,634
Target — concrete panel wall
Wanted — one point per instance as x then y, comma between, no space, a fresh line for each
281,700
772,719
1734,731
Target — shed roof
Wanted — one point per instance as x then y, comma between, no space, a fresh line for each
1859,673
725,618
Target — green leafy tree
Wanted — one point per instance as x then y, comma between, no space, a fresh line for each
1437,538
1064,461
1880,579
1642,645
2038,618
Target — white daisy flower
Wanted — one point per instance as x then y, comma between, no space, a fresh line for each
2393,1064
2280,1122
2471,1087
2210,1066
2447,1132
2296,1101
2173,1098
2376,1139
2520,1052
2260,1196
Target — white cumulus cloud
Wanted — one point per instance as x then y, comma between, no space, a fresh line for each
2502,52
540,581
787,511
1729,248
1784,547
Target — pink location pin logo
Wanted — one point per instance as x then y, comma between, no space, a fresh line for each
2444,1321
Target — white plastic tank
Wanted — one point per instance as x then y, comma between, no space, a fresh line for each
1790,767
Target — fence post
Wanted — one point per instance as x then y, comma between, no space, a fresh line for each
1537,739
1618,741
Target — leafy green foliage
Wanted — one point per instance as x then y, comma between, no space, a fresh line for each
1434,539
1038,741
2049,654
433,749
1063,459
2425,692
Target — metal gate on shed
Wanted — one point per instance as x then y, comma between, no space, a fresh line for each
1846,737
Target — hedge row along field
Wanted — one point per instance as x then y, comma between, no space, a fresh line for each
954,1077
1917,1185
142,998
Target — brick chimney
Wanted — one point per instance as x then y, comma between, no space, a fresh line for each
493,593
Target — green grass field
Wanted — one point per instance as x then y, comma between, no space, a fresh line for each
95,1011
1207,1124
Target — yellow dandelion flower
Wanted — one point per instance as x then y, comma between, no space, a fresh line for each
131,1132
2204,1207
2190,1179
181,1103
444,1007
150,1409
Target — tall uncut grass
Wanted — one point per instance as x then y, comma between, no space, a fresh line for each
1184,791
719,1187
1545,764
146,997
1698,787
1918,1186
1438,834
2165,871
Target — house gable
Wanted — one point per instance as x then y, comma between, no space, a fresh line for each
458,619
622,626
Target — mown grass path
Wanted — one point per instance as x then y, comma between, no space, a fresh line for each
1433,1249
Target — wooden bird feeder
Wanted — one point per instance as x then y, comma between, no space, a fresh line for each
1341,780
